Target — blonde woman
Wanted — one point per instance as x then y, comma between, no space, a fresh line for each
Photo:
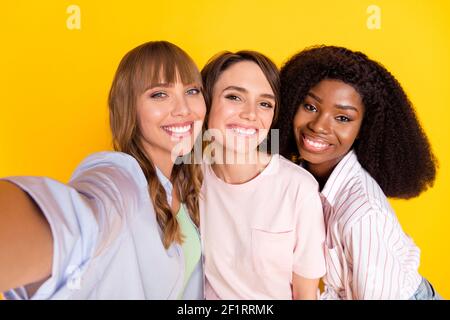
125,226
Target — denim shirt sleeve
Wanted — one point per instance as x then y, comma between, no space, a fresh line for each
84,215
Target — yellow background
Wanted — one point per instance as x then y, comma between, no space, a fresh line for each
54,81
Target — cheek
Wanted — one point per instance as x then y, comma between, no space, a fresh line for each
267,119
198,107
202,110
212,119
349,135
299,120
218,116
149,117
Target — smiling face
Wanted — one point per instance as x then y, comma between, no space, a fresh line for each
170,117
326,125
242,107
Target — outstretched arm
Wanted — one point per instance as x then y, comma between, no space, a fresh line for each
26,244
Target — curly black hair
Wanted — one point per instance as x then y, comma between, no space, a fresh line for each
391,145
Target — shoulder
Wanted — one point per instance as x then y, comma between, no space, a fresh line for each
295,174
111,164
112,178
361,199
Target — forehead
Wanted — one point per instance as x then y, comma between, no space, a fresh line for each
153,75
245,74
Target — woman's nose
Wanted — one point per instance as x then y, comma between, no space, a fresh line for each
320,124
181,107
248,112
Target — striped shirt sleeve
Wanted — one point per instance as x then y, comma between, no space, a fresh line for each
377,273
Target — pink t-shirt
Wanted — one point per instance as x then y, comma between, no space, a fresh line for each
257,233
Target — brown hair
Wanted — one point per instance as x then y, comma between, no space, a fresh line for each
144,66
222,61
392,145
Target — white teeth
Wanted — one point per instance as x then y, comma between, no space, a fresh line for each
244,131
316,144
180,130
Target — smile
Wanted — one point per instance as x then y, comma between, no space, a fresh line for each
314,145
246,132
179,130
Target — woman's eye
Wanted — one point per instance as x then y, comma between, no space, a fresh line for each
158,95
309,107
233,97
266,105
193,91
342,119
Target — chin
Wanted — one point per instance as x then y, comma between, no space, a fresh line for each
242,150
181,149
312,158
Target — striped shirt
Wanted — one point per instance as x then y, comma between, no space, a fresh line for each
368,255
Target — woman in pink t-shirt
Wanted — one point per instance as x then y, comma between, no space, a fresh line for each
262,222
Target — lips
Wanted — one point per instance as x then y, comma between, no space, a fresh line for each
179,130
313,144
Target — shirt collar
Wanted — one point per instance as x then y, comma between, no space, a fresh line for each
167,185
342,173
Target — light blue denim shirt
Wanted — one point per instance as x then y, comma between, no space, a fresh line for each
107,242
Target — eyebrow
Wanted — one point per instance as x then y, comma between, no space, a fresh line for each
339,106
312,95
243,90
344,107
169,85
162,85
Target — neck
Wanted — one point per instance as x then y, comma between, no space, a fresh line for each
321,172
321,180
161,159
244,171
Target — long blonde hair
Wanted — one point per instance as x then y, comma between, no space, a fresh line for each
140,68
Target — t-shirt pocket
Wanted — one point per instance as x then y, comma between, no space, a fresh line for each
272,252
